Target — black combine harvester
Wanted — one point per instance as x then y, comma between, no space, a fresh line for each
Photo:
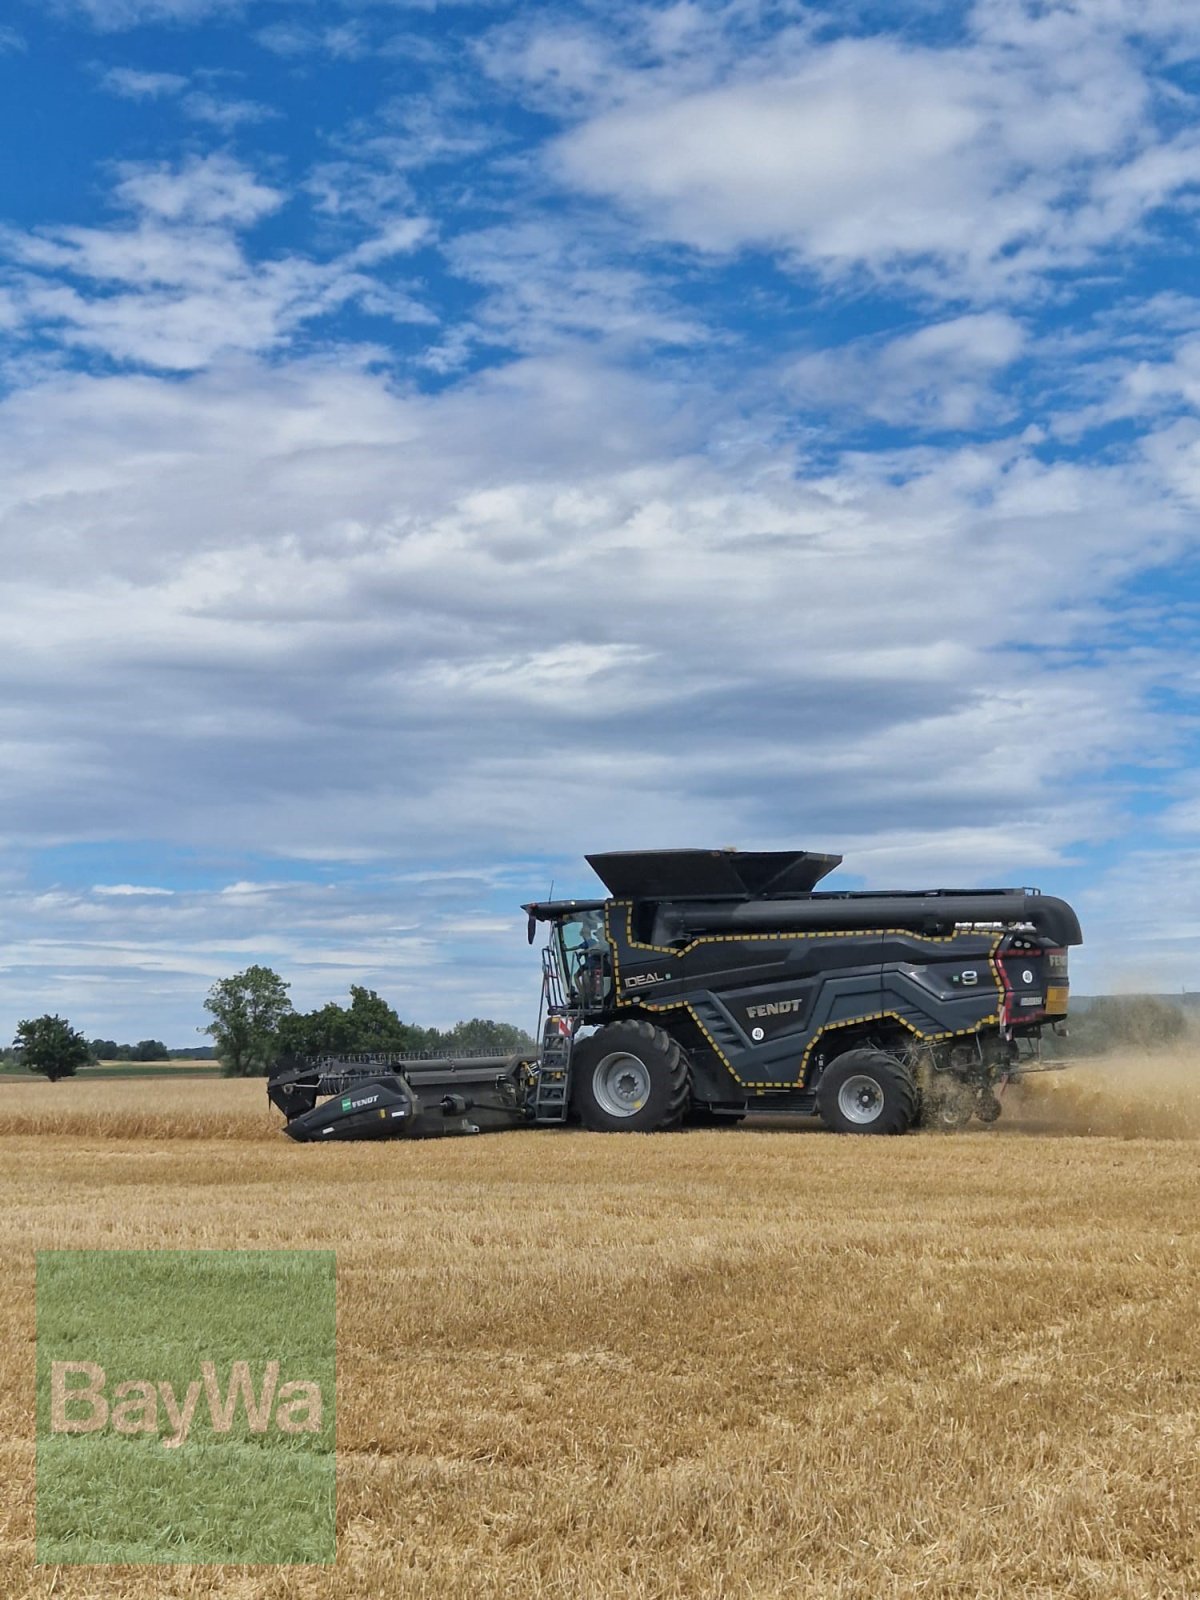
716,984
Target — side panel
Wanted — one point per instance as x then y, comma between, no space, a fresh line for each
764,1001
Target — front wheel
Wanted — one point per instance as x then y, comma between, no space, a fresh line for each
866,1091
630,1077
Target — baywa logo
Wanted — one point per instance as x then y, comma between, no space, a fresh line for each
186,1406
134,1407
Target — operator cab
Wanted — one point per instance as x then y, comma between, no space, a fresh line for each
579,960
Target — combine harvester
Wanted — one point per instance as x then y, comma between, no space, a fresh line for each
716,984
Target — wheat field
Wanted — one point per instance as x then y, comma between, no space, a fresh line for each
744,1362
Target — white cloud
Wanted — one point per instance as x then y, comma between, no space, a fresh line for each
124,889
396,238
112,16
201,105
345,41
176,289
143,966
548,284
135,85
203,189
226,114
384,623
939,376
1142,920
994,162
11,41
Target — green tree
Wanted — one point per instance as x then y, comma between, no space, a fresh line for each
149,1050
377,1026
483,1037
52,1046
248,1010
368,1023
328,1031
103,1049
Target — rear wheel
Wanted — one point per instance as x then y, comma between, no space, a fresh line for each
866,1091
630,1077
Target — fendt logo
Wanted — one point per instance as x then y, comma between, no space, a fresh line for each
134,1405
775,1008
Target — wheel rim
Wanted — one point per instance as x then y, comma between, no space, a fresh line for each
860,1099
621,1084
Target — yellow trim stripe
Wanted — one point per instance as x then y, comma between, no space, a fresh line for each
828,1027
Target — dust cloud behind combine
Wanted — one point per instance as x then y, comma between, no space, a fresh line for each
1129,1094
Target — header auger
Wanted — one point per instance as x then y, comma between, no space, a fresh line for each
714,984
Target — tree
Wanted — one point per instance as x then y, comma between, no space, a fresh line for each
51,1045
328,1031
376,1024
367,1024
482,1037
248,1010
149,1050
104,1049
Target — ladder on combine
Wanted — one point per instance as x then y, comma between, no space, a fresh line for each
552,1092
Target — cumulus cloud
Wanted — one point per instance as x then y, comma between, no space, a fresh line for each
304,561
991,161
938,376
546,284
202,189
390,627
175,288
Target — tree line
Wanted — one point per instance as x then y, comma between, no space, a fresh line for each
62,1049
254,1026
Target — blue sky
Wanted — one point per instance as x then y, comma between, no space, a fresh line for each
439,440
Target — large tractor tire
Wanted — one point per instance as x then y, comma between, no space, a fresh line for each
630,1077
867,1091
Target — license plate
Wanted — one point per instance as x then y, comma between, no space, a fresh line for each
1056,998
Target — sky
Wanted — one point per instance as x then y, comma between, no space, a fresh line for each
438,440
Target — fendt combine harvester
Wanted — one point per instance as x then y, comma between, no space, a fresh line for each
716,984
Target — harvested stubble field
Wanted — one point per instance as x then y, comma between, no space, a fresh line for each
746,1362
